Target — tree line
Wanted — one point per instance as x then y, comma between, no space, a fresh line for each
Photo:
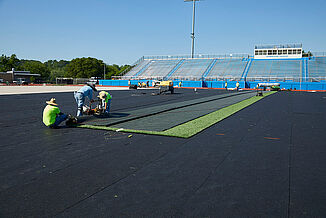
51,69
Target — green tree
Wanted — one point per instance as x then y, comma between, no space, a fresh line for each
51,69
54,64
7,63
57,68
36,67
111,70
115,70
85,68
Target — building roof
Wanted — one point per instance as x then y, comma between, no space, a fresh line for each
278,46
26,74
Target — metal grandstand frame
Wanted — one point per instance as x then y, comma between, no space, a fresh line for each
171,57
244,77
318,54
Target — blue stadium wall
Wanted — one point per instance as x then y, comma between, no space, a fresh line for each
220,84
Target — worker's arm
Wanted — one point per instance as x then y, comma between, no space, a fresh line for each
57,111
89,94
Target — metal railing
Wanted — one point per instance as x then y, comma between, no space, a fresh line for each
319,54
223,78
316,79
132,66
230,78
183,78
287,79
74,81
199,56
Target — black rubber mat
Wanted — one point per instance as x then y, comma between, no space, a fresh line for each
267,160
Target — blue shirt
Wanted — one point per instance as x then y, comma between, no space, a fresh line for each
87,91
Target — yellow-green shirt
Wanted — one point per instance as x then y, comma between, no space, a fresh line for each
49,114
108,97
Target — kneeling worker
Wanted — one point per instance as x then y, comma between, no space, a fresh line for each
105,101
52,116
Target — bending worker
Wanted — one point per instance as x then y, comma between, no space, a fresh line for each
105,101
52,116
81,94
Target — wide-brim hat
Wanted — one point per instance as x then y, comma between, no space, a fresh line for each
52,102
102,95
92,85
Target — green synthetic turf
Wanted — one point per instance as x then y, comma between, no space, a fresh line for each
195,126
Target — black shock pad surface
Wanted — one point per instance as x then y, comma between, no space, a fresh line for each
267,160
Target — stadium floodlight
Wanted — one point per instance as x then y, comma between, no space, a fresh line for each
193,26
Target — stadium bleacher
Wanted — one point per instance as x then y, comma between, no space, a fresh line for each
159,68
136,69
227,68
203,70
275,69
191,68
317,68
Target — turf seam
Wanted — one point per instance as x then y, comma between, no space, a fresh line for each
211,173
120,179
289,172
204,182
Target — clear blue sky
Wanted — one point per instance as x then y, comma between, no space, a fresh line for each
121,31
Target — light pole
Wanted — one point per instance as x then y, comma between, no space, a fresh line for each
193,26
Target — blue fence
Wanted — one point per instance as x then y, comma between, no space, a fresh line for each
113,82
294,85
221,84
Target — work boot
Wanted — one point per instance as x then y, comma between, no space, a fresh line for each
71,121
